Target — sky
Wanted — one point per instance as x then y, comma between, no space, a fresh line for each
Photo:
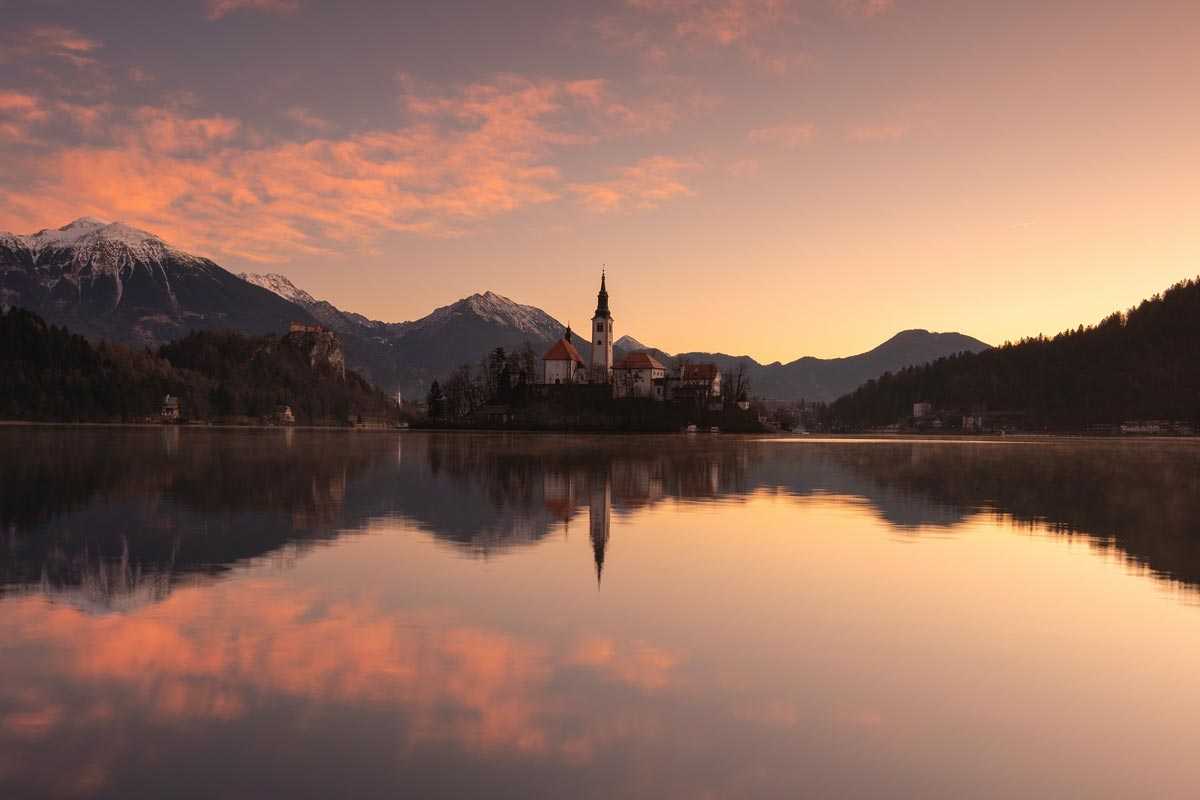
770,177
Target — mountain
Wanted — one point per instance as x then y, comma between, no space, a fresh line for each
329,315
124,284
1140,365
630,344
115,282
827,379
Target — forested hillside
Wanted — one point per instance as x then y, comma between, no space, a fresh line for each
1142,364
49,374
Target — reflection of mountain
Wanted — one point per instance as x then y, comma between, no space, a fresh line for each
116,517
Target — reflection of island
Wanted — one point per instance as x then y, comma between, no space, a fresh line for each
118,517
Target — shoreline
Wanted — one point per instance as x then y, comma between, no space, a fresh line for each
781,437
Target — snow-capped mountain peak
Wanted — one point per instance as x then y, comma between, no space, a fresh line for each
280,285
88,230
497,309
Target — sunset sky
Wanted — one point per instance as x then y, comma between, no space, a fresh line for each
771,177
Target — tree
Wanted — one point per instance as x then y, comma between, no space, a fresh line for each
435,401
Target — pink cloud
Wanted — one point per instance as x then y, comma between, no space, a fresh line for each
879,132
206,183
54,41
210,654
307,119
744,168
865,8
789,136
219,8
646,184
757,28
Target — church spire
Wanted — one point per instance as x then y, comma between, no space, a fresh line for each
602,299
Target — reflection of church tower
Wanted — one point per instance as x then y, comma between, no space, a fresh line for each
599,513
602,338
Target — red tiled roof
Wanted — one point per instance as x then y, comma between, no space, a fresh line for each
563,351
699,372
639,360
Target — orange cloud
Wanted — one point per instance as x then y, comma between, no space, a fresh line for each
201,184
211,185
643,185
752,26
883,132
865,8
307,119
214,653
644,666
787,136
219,8
54,41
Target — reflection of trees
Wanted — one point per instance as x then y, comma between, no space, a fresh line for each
121,515
1141,498
117,515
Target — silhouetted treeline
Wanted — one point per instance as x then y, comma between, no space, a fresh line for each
1136,365
50,374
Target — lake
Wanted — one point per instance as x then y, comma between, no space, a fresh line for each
243,614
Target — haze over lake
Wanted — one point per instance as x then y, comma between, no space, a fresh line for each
225,613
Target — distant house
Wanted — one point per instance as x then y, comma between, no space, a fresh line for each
170,408
562,362
922,410
639,374
283,416
300,327
700,382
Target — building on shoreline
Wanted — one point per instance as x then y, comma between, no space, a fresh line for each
638,375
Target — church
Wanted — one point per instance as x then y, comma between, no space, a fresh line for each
638,374
562,363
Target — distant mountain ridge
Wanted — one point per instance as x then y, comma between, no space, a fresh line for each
112,281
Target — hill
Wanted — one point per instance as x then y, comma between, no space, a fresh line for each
1137,365
47,373
824,379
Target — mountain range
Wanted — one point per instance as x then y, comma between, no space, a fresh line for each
113,281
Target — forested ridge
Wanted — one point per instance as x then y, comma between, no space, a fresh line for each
1141,364
50,374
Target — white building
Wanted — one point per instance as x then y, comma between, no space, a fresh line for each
639,375
922,410
562,362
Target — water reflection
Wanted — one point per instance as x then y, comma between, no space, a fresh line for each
330,614
116,518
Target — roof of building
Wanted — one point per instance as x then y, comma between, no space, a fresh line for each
562,350
699,372
639,360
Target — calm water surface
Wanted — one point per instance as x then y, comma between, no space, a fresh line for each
309,614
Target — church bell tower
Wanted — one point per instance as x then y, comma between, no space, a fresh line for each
602,338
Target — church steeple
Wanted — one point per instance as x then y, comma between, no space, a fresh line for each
602,337
602,300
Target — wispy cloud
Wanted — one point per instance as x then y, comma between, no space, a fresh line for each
756,28
219,8
646,184
878,132
49,41
788,136
865,8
